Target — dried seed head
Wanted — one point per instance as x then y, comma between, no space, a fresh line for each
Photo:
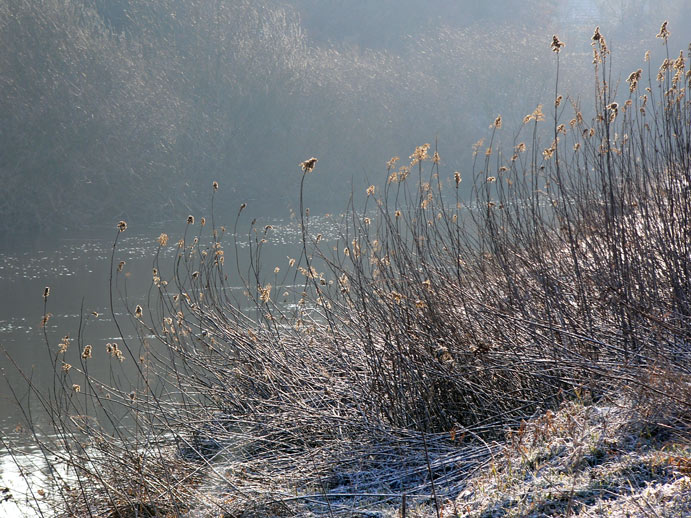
215,185
392,162
420,154
265,293
557,44
64,344
308,165
190,220
138,311
596,34
664,32
86,353
163,239
46,292
122,226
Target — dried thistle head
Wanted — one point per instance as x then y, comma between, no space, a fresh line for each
122,226
138,311
190,220
664,32
86,353
215,186
457,177
308,165
557,44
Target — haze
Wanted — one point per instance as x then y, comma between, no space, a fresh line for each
130,109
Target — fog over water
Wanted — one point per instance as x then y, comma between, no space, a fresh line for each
129,110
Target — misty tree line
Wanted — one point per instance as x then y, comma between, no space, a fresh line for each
115,109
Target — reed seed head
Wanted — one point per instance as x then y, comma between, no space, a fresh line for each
308,165
557,44
664,32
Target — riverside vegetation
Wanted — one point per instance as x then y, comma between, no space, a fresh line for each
522,352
